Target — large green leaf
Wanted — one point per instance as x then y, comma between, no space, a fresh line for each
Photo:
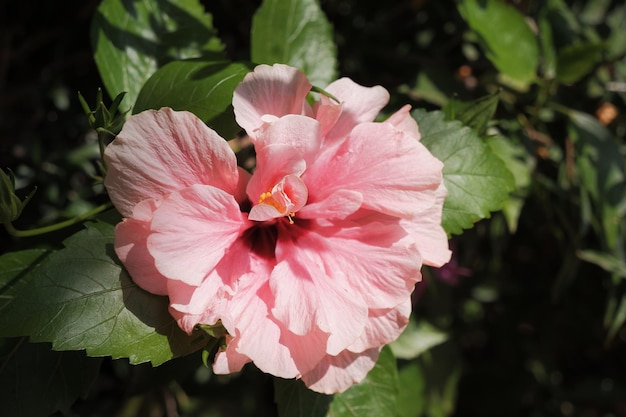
477,180
375,396
132,39
508,42
294,399
204,88
37,381
80,298
295,32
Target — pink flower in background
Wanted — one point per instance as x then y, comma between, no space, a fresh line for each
309,262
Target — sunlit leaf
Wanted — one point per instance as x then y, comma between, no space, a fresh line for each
204,88
295,32
507,40
411,398
132,39
375,396
477,180
521,165
80,298
416,339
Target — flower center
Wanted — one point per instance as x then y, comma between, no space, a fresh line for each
284,199
266,198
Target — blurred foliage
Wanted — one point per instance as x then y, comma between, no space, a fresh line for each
527,319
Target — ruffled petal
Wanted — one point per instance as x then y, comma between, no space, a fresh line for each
359,104
256,334
430,238
338,373
158,152
402,120
394,172
337,205
325,299
192,230
131,246
373,254
383,326
275,90
300,132
229,360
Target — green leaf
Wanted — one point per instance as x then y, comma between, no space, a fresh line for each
38,381
416,339
606,261
508,41
548,51
521,165
577,60
295,32
132,39
411,398
35,379
202,87
475,114
13,267
294,399
375,396
477,180
441,370
601,174
81,298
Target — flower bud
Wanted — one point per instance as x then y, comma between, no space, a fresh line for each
11,205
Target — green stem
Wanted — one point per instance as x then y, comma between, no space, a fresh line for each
57,226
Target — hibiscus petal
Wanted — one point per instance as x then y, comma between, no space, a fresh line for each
158,152
338,373
131,246
402,120
383,326
338,205
274,162
131,237
324,297
275,90
430,238
191,231
256,334
394,172
208,302
229,360
374,254
359,104
300,132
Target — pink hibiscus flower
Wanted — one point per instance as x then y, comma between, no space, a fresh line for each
309,262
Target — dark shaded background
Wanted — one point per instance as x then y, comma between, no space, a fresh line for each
528,354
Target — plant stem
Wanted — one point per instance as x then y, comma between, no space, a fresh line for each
57,226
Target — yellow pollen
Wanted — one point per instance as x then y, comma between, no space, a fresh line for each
290,215
264,196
